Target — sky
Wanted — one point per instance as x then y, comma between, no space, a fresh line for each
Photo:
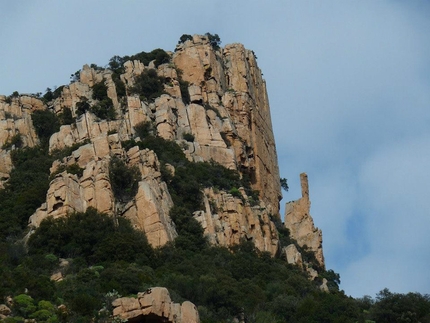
349,90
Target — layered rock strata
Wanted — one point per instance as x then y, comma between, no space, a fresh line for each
154,305
301,225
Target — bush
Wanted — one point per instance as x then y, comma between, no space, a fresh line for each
15,141
100,91
46,124
23,305
184,38
235,192
183,86
26,189
124,179
82,106
66,117
104,109
92,236
143,129
214,40
284,184
148,85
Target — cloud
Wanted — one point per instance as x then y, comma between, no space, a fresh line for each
354,115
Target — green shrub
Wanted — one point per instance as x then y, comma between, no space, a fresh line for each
284,184
124,179
76,76
82,106
183,86
104,109
184,38
46,124
92,236
143,129
15,140
148,85
190,232
235,192
48,96
23,305
159,56
66,117
100,91
57,92
25,190
119,85
214,40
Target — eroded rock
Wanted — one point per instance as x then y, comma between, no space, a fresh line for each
301,225
155,305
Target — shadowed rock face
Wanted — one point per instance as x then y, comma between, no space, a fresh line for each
300,223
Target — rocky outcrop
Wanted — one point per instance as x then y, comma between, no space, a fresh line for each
154,305
148,210
228,117
5,311
292,255
301,225
15,119
228,219
228,84
225,119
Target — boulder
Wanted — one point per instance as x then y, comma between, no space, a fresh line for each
155,305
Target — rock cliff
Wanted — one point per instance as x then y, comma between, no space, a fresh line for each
213,104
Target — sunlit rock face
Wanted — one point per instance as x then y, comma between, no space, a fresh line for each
301,225
225,117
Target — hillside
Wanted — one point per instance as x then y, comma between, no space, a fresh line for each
159,169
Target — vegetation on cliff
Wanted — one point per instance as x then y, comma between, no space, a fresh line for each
70,267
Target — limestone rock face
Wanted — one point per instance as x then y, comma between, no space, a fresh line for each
300,223
225,118
155,305
229,115
227,220
15,119
148,210
292,255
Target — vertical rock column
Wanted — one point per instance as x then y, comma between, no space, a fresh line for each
300,223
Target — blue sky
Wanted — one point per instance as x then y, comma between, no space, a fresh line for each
348,84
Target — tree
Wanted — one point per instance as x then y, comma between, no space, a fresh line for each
284,184
184,38
214,40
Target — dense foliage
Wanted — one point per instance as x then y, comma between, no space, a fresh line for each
148,85
104,256
124,179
